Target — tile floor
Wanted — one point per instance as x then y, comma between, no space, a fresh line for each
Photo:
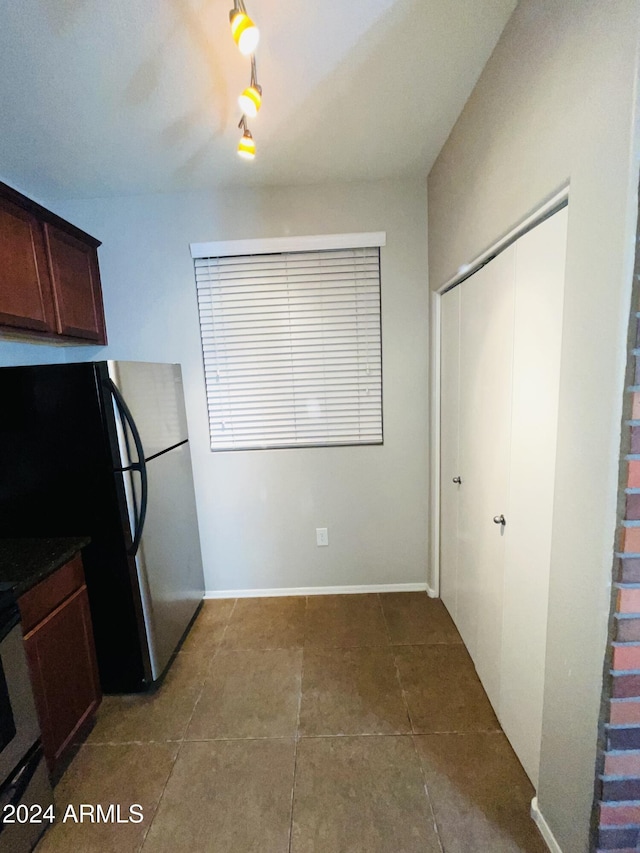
332,724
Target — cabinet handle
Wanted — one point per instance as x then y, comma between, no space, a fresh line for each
499,519
457,480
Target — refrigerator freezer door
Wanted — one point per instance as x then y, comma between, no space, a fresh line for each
169,562
154,395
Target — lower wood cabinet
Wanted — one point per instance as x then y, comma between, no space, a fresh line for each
61,655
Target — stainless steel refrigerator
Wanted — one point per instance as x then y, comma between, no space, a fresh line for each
102,449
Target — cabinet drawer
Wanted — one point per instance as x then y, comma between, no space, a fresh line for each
38,602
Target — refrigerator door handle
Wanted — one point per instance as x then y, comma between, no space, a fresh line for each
140,466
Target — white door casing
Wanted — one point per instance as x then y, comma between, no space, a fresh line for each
449,451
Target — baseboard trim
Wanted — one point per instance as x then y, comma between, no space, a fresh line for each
543,826
317,590
431,591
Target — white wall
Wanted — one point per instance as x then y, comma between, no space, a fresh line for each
556,102
15,351
258,510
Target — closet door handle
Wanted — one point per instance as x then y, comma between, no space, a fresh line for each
457,480
499,519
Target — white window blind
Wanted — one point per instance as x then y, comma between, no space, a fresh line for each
292,348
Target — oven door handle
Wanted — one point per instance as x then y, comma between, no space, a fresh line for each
14,791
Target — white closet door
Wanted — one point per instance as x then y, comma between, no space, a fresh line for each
486,350
449,464
540,266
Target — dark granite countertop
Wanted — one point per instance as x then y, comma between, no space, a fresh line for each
26,562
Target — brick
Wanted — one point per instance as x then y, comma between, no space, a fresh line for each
631,540
620,789
614,839
619,815
618,850
635,440
629,569
633,474
628,630
627,738
626,657
632,510
635,410
626,686
624,713
629,601
624,764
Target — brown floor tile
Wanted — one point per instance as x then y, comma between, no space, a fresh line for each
249,694
360,795
159,716
442,689
208,629
480,794
266,623
227,797
414,619
345,620
121,774
351,691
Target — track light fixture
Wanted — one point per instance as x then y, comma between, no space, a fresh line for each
251,99
245,33
247,145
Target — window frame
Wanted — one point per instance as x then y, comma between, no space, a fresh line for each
284,245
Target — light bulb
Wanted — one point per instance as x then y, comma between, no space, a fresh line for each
250,101
247,146
245,33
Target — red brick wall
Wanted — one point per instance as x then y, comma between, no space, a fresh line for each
618,784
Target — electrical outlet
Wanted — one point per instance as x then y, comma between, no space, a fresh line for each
322,536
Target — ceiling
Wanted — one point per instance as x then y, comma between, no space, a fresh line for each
139,96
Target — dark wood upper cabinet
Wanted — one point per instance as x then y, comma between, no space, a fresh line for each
49,275
25,284
76,285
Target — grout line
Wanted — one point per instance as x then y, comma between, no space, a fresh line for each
384,620
297,737
427,795
395,664
164,788
182,740
355,735
412,736
222,739
304,623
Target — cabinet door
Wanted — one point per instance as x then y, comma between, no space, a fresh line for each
25,286
76,286
63,670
